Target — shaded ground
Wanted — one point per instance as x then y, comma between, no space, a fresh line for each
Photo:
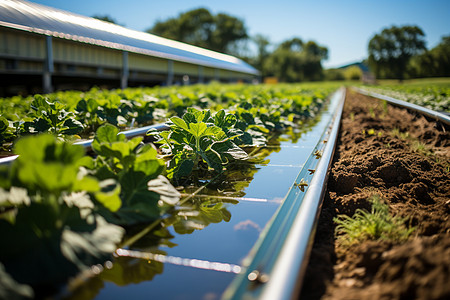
406,159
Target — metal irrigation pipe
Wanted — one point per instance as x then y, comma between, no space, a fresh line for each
423,110
280,258
87,144
289,269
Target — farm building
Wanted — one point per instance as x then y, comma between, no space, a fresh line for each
43,48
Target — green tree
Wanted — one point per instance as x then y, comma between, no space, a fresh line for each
199,27
192,27
295,61
227,31
441,55
391,50
262,43
433,63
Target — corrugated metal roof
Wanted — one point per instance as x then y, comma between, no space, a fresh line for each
46,20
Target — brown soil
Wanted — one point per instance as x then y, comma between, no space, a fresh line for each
404,158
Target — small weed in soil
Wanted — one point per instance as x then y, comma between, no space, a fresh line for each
378,224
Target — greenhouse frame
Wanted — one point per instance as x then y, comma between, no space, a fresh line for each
43,49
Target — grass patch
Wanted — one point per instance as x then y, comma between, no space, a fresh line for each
378,224
415,144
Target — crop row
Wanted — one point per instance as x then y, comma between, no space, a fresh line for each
78,114
62,211
434,96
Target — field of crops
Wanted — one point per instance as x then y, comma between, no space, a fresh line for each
63,211
79,114
432,94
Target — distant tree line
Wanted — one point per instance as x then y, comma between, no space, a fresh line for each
395,52
400,53
291,61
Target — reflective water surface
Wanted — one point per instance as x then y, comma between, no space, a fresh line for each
201,245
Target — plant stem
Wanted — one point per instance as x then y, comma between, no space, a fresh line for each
140,234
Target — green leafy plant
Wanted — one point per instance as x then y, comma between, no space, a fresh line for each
432,94
7,133
87,113
137,170
253,133
47,219
52,117
378,224
195,142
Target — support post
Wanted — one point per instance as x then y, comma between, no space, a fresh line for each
217,74
169,72
125,71
48,66
201,78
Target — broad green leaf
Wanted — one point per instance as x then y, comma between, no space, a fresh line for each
140,212
86,161
179,122
213,131
180,167
219,117
81,106
150,168
251,138
230,120
124,148
58,106
109,195
223,120
44,163
189,118
259,128
231,149
248,118
197,129
40,103
134,188
87,183
203,116
92,105
42,125
179,138
55,178
213,160
45,249
73,126
108,134
147,152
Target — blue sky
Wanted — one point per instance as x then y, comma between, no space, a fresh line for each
344,27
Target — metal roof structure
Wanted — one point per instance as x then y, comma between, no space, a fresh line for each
41,19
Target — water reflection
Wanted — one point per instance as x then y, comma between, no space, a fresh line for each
197,214
206,200
125,271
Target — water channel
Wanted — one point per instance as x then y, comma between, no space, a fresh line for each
207,241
